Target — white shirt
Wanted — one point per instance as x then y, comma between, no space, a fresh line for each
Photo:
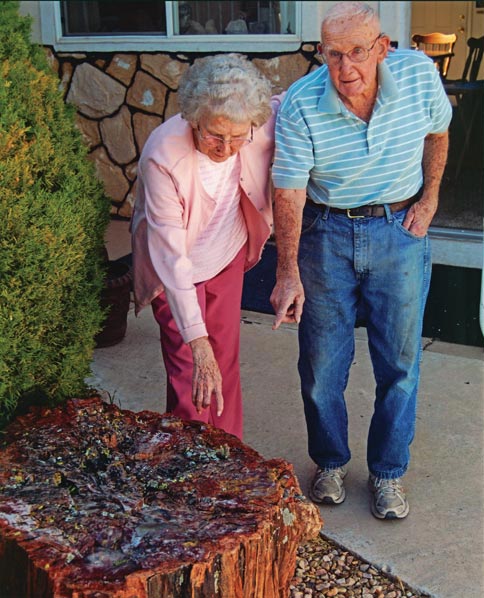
226,233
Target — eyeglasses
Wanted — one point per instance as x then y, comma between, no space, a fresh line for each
357,54
216,140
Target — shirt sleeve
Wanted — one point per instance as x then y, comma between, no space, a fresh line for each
440,107
293,159
168,249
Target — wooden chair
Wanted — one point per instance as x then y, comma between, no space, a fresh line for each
474,58
439,46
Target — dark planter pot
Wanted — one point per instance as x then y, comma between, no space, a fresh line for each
115,297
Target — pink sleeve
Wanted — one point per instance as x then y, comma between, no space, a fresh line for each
168,249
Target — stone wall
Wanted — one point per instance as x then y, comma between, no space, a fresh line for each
121,97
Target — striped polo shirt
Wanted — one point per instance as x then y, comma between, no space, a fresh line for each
342,160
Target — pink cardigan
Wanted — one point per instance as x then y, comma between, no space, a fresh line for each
172,209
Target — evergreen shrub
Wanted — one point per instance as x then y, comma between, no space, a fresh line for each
53,215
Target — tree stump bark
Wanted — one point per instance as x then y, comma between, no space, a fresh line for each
99,502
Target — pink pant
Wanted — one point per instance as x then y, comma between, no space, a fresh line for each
220,300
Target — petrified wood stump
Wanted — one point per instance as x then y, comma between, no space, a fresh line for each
99,502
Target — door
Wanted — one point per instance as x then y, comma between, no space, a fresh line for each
445,17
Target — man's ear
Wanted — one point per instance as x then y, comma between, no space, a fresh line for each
383,45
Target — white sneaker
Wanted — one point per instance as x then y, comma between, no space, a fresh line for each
327,486
388,499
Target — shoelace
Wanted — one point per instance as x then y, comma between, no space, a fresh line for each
330,473
388,486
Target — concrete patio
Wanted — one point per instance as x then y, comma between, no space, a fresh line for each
439,548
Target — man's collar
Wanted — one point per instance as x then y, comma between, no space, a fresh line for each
388,85
329,100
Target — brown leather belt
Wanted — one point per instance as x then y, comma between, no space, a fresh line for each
369,210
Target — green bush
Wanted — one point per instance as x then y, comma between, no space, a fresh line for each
53,215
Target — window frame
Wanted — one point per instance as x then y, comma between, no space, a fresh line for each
51,31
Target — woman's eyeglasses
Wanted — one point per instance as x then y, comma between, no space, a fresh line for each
216,140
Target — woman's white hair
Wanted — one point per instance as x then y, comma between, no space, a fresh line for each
226,85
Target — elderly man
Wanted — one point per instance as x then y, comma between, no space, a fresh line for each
361,146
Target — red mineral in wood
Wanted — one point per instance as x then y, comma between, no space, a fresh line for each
99,502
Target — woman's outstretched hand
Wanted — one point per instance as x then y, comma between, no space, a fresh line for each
207,380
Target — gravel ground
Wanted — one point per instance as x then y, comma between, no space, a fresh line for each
323,568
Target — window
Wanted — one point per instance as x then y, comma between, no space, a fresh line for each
112,18
235,18
106,18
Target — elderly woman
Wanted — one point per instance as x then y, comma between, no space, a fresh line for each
202,216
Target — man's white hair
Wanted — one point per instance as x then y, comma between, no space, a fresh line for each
355,10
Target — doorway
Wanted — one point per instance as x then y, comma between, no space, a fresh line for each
462,190
445,17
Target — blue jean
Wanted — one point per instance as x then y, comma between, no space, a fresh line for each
374,267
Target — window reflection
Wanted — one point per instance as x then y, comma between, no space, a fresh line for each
112,18
123,17
220,17
235,18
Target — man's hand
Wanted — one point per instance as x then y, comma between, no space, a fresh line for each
207,380
419,217
287,299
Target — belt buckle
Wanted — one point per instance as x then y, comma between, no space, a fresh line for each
350,215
